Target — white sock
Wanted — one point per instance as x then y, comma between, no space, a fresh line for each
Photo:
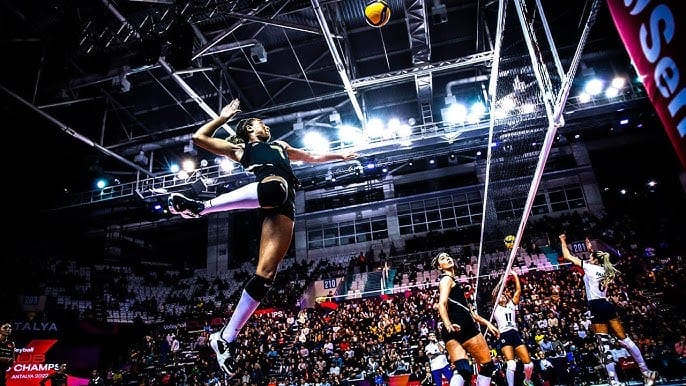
244,309
611,372
635,352
483,380
456,380
244,197
510,372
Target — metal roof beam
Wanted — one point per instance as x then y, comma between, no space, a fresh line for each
226,33
386,79
338,61
420,47
281,24
188,89
73,133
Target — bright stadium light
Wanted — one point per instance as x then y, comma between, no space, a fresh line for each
314,141
594,86
374,128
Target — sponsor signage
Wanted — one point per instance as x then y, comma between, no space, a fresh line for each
653,33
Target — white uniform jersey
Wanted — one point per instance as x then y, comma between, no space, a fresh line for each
593,276
505,316
435,352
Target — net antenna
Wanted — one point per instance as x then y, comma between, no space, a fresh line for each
528,91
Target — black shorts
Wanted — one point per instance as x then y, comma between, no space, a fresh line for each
602,311
468,330
287,208
510,338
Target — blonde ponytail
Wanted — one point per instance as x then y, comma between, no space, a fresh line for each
610,271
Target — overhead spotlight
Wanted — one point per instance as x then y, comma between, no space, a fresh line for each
188,165
452,159
404,131
455,113
101,183
594,86
618,82
584,97
258,54
316,142
611,92
374,128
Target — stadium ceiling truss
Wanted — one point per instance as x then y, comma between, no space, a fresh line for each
323,59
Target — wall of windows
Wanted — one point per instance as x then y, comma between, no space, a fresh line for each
438,214
435,214
346,233
558,199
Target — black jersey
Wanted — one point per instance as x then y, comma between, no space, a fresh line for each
265,159
6,353
460,314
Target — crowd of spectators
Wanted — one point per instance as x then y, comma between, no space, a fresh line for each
370,339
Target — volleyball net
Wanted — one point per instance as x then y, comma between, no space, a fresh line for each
528,90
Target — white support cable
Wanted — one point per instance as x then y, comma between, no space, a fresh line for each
562,96
338,61
549,36
493,83
554,113
541,73
553,124
533,188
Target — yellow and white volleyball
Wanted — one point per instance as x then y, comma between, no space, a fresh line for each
509,241
377,13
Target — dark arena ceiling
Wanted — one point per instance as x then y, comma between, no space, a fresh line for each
89,84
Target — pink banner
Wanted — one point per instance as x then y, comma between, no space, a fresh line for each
32,365
653,34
